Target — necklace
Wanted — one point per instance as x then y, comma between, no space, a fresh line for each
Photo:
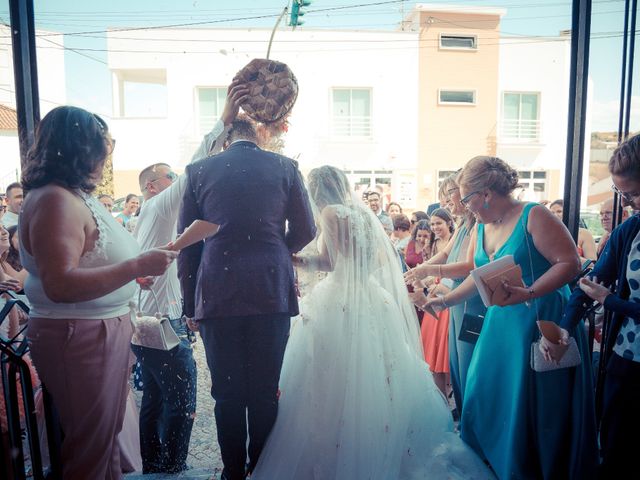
501,219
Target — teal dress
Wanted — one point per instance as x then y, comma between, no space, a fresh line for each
460,352
528,425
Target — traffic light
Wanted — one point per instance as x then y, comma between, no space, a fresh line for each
297,12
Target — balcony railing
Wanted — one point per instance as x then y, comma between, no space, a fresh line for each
521,131
353,126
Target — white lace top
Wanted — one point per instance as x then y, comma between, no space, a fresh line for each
114,245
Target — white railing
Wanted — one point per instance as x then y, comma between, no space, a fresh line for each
525,131
353,126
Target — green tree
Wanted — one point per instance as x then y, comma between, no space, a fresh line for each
106,185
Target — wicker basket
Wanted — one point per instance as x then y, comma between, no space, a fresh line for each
273,89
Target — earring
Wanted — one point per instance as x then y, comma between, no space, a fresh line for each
485,205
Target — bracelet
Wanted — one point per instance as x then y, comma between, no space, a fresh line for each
444,302
532,292
439,270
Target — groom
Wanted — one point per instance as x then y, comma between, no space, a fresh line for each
239,284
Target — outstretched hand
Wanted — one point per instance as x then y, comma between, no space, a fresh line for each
237,94
594,289
417,273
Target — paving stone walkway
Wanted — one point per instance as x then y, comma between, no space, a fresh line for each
204,452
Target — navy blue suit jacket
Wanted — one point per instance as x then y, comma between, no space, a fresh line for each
259,200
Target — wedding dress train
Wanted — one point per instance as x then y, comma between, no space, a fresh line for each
357,399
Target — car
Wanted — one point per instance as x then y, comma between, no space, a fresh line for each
590,220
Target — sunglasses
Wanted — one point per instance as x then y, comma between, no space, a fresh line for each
629,197
171,176
464,201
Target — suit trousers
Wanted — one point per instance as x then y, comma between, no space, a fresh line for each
84,364
244,354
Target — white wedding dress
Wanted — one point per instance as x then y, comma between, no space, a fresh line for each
357,399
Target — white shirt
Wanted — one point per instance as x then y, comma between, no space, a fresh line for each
9,219
157,226
114,245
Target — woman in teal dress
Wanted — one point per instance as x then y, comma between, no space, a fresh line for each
452,265
528,425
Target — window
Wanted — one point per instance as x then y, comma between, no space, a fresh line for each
443,175
211,102
533,185
456,97
459,42
351,112
371,180
520,117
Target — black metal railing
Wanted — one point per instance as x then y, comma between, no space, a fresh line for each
19,399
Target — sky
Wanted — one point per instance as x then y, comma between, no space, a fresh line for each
85,58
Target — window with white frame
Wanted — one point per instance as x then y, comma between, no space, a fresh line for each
533,185
351,112
210,106
452,96
458,42
520,116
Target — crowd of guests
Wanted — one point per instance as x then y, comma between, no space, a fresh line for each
542,424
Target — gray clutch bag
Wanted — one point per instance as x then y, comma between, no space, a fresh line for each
571,358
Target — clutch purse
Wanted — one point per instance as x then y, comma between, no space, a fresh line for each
471,328
152,331
570,358
512,275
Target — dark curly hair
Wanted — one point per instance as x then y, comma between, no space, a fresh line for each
70,145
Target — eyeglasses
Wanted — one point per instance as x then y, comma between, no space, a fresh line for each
629,197
467,199
451,191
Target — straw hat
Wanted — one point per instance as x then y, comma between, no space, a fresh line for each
273,89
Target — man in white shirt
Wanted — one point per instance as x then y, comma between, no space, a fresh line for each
14,205
169,378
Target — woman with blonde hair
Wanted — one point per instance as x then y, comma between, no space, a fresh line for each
527,424
451,266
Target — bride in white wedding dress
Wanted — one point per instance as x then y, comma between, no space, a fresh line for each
357,400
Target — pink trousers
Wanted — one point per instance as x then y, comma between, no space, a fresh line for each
84,364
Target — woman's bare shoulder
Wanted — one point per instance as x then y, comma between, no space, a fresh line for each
53,196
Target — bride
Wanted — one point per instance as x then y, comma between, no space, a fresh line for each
357,401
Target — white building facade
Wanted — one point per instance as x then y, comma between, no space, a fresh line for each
355,110
533,113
